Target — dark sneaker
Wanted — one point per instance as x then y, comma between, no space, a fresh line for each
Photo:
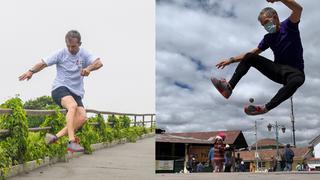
74,147
222,86
255,110
50,138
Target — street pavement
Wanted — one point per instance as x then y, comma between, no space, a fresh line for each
241,176
130,161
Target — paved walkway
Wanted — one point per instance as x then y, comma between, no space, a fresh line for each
131,161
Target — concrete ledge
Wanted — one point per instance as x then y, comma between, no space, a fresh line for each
29,166
32,165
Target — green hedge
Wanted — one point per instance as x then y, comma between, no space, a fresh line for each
22,146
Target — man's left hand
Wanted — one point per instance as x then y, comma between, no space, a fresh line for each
85,72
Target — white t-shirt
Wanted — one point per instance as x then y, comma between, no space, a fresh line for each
69,68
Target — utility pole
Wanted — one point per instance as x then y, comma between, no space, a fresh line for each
292,121
256,153
276,126
256,136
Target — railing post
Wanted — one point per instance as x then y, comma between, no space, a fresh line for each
113,121
142,120
123,121
151,121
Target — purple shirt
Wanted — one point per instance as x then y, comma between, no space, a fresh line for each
285,44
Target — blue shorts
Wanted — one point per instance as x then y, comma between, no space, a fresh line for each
63,91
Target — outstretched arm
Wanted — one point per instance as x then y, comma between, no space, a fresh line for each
36,68
294,6
97,64
226,62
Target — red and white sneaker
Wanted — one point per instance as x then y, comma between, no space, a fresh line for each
255,109
222,86
74,147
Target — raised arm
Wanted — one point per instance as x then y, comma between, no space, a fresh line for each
296,10
36,68
294,6
97,64
225,62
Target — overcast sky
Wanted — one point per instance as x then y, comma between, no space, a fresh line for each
192,36
120,32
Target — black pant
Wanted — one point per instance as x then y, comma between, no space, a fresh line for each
290,77
227,168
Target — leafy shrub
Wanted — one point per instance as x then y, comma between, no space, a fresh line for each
16,123
36,147
87,136
5,161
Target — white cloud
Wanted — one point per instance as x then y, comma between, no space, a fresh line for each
210,30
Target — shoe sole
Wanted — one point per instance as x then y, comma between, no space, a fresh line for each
223,93
249,109
73,151
47,142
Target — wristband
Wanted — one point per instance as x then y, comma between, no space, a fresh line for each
33,71
232,60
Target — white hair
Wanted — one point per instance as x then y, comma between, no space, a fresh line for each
73,34
268,11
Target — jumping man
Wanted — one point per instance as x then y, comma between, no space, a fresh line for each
72,63
288,66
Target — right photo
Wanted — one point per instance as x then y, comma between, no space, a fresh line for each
237,89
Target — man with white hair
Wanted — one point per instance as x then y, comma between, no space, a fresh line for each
73,64
288,66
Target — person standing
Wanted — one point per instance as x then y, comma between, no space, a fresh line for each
73,64
218,158
211,157
228,158
242,167
273,164
237,163
288,155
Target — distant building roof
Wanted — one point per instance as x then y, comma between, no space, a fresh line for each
299,154
170,138
268,142
232,137
315,141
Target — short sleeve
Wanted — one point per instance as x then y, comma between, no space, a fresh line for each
88,58
263,45
53,59
290,25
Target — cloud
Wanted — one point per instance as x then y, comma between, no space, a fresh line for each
192,36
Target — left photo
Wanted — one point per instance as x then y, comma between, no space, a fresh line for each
78,89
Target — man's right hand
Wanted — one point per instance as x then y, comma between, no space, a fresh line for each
223,63
27,75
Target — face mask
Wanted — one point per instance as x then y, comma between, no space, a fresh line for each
270,27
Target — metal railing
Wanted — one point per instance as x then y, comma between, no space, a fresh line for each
31,112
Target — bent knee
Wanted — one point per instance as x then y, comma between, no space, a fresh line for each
297,80
300,81
81,114
249,56
82,118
